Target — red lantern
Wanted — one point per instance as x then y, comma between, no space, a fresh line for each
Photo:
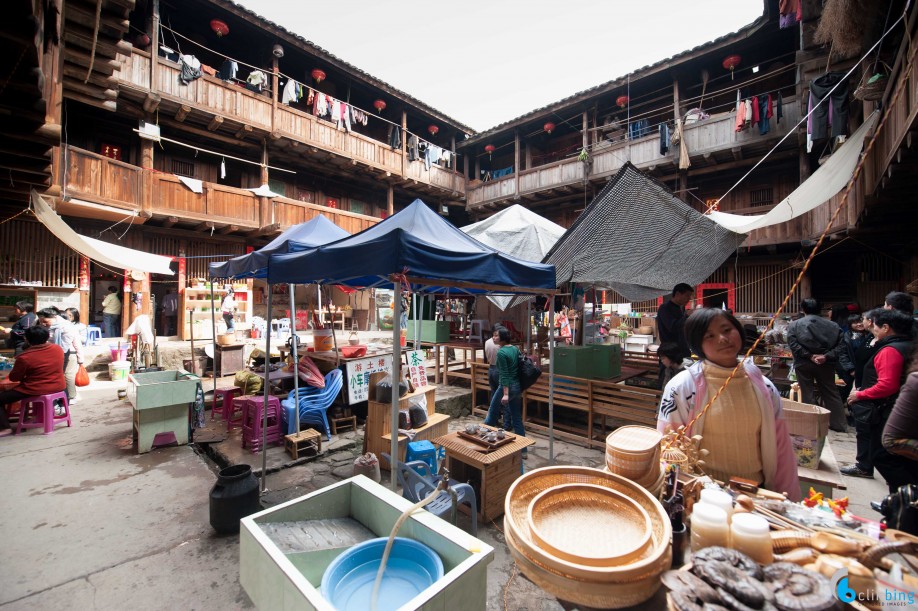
731,62
318,75
549,127
379,105
433,129
622,101
142,41
219,27
490,148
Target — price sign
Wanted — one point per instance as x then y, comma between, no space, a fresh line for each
358,375
414,359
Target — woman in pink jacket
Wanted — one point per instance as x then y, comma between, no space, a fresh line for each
744,430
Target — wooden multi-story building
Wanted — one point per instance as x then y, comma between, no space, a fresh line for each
133,123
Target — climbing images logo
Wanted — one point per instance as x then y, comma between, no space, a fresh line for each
886,597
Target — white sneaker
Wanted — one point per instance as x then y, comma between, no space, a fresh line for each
72,401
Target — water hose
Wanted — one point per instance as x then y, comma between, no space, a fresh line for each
443,485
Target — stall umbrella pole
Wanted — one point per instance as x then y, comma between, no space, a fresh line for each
396,377
529,326
294,343
213,333
417,323
264,422
551,381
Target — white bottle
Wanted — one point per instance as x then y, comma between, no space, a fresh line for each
709,526
718,498
751,535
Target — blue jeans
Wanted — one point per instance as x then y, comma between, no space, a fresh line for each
512,412
112,324
230,320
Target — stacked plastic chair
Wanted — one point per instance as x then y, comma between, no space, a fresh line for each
253,421
314,403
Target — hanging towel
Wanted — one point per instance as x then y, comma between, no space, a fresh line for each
196,186
740,116
291,92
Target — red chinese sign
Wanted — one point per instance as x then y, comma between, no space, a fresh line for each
84,273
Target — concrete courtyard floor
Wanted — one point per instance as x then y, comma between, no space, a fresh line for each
91,525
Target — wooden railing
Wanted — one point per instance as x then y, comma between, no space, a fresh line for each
238,104
102,180
713,134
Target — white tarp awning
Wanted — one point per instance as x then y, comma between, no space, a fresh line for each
816,190
118,257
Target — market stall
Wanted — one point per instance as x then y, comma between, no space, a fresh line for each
418,250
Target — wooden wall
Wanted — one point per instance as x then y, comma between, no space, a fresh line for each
30,252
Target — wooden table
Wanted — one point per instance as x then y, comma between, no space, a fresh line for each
825,479
441,376
491,474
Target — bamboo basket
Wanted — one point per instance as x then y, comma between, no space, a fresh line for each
607,595
873,91
634,452
516,508
562,522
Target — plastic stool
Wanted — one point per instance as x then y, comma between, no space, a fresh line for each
223,401
38,412
253,419
234,411
93,335
422,450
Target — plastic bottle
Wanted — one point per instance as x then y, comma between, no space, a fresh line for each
709,526
750,534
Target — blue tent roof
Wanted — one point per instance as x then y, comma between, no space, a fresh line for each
418,240
312,233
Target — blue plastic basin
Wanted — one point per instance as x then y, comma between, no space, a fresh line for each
412,567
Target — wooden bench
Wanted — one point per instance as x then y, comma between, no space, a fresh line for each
632,404
570,393
480,383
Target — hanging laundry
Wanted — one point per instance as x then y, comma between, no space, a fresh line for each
740,115
638,129
292,92
790,13
445,158
256,80
413,148
208,70
748,104
664,138
779,111
191,69
344,116
395,137
311,96
334,109
765,112
228,70
320,105
432,154
755,111
828,105
223,168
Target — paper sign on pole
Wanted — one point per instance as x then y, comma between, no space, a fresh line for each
358,375
416,371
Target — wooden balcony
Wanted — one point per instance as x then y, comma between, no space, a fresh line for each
709,142
98,187
237,107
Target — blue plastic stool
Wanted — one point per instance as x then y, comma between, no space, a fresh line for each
93,335
422,450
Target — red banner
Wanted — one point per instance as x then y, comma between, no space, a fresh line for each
127,281
181,273
84,273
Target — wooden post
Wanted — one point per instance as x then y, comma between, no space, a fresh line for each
677,112
528,150
586,130
266,212
404,137
390,201
516,162
452,148
465,166
146,177
477,175
274,86
154,48
180,321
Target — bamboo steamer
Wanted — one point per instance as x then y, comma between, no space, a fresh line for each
599,595
634,452
652,563
653,487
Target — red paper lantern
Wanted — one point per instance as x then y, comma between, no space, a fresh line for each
318,75
549,127
622,101
490,148
433,129
219,27
731,62
379,105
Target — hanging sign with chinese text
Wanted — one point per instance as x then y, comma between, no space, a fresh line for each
358,375
416,371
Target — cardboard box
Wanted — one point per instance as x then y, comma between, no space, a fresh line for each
808,426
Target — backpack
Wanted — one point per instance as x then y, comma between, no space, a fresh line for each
900,509
528,371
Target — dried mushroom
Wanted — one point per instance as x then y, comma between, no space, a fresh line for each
730,556
690,585
797,589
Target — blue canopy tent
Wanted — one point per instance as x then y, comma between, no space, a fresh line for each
418,247
312,233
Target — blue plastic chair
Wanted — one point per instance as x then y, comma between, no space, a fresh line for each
417,486
314,403
93,335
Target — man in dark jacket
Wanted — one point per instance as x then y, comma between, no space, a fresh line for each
815,341
671,321
25,312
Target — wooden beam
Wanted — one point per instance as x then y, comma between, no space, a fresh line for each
737,152
267,229
228,229
151,102
101,65
72,84
244,131
91,101
99,80
276,135
170,221
215,123
204,225
112,26
183,111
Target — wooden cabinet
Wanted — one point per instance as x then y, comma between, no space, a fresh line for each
377,438
198,309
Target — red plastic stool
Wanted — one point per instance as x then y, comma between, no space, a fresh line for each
253,419
223,401
38,412
234,410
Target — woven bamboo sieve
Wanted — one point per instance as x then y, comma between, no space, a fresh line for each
524,489
605,595
563,521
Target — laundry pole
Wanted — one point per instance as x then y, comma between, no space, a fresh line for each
294,344
265,388
551,380
396,377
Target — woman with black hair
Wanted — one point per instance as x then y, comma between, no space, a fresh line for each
744,429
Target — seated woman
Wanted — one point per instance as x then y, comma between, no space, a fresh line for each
39,371
746,416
